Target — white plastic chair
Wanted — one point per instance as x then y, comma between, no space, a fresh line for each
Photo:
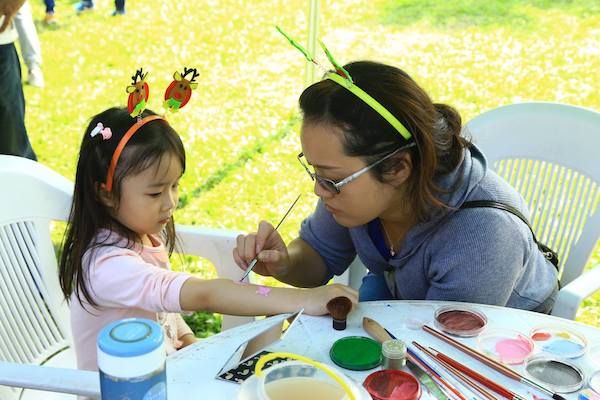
550,153
34,318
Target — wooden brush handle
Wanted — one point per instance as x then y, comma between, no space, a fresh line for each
376,331
476,376
474,353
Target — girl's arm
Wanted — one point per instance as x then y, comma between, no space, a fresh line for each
227,297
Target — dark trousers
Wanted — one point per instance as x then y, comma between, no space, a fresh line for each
49,6
119,4
13,135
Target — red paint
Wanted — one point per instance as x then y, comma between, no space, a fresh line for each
460,322
392,385
541,336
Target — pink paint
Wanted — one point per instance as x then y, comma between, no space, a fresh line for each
513,351
263,290
541,336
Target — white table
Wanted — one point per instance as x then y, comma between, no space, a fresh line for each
191,371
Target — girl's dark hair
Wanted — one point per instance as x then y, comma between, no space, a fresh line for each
436,128
88,214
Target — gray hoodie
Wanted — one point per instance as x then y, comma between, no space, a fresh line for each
478,255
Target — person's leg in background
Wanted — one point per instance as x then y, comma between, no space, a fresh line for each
84,5
13,135
119,7
30,45
374,287
49,19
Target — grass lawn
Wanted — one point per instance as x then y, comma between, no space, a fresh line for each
241,125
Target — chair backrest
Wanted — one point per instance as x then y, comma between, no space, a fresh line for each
549,152
35,319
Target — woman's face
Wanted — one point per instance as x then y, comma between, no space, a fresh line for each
359,201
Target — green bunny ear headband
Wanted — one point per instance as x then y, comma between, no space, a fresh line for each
343,78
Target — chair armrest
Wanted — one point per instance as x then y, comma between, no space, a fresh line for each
570,297
63,380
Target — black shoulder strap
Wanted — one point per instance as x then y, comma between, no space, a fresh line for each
501,206
546,251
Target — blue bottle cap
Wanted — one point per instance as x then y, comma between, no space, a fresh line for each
130,337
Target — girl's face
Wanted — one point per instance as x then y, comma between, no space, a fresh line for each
359,201
149,198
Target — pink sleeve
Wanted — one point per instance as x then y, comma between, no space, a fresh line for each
124,279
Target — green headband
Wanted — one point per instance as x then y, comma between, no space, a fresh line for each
343,78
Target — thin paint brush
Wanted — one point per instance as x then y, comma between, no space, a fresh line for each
501,390
465,379
491,362
255,259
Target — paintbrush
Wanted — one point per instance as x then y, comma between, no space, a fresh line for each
462,369
491,362
470,382
438,386
255,259
339,307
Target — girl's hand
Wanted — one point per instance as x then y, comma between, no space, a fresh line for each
316,299
273,257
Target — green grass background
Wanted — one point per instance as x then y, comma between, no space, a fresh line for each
241,125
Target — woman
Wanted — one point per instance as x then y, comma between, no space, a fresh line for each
394,198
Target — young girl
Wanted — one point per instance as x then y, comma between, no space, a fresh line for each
115,259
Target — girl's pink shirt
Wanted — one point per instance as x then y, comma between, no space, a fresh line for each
126,283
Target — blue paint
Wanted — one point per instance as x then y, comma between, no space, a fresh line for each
563,347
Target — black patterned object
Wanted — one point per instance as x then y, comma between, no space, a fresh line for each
246,369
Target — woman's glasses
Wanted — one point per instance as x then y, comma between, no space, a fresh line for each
335,187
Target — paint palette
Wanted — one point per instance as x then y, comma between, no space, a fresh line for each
555,373
506,346
559,341
460,321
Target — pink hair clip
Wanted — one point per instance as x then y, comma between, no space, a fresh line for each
105,132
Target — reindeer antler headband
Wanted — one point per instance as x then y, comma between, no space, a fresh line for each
177,95
343,78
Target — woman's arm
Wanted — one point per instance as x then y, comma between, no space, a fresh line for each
227,297
306,267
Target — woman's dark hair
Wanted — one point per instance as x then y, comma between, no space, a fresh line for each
436,128
88,214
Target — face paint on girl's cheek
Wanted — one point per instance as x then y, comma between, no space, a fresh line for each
263,290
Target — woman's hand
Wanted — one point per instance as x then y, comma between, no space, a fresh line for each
268,246
316,299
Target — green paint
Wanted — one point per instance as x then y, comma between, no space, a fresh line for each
357,353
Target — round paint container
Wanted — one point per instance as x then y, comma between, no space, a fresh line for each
460,321
506,346
554,373
132,360
595,382
357,353
392,385
559,341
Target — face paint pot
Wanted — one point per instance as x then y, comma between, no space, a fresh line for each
357,353
460,321
506,346
132,360
594,382
299,379
559,341
554,373
392,385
